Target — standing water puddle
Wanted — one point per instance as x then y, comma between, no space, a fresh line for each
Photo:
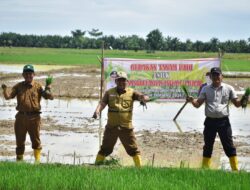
75,113
81,147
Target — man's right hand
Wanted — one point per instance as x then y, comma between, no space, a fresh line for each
96,115
190,99
4,86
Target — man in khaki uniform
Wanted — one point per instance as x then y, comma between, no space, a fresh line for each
28,93
120,103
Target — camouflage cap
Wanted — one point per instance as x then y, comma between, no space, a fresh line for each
28,68
121,74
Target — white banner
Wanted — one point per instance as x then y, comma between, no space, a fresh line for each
161,78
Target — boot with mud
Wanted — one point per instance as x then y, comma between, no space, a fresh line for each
99,159
206,163
234,163
37,155
137,160
19,158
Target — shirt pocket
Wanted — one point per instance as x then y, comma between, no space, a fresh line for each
224,98
34,96
112,100
126,103
22,94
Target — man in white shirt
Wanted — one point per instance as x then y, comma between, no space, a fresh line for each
217,97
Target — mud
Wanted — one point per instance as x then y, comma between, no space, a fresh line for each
158,148
173,149
79,82
84,82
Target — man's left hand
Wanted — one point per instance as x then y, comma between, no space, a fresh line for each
244,101
48,86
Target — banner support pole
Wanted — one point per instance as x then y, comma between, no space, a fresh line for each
220,54
101,93
102,71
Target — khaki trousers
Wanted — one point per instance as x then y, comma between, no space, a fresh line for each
27,123
126,136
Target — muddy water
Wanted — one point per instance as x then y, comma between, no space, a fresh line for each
69,135
75,113
58,146
80,142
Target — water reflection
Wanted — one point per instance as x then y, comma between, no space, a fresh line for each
75,113
178,126
71,147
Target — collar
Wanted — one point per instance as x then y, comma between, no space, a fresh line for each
31,84
121,92
221,86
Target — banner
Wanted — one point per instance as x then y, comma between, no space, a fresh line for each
161,78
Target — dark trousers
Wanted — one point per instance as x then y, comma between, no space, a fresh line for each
221,126
126,136
27,124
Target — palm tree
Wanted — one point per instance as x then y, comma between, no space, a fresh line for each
78,33
95,33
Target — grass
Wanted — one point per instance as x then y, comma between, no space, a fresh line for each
230,62
52,176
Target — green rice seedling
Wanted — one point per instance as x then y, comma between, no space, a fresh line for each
185,89
49,80
112,162
245,98
247,92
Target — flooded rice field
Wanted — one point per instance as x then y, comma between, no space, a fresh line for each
69,134
77,113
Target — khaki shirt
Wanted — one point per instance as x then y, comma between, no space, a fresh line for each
120,106
217,100
29,96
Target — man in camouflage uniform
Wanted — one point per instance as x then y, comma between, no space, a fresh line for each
120,103
28,93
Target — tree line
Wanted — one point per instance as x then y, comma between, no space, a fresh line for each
154,41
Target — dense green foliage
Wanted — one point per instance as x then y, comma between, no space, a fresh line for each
230,62
154,41
52,176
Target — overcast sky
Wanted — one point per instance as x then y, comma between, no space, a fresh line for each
184,19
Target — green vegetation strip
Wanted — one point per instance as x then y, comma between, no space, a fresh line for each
53,56
52,176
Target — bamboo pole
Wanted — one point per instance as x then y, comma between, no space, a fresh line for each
178,126
220,57
74,160
102,72
48,157
101,93
153,160
180,110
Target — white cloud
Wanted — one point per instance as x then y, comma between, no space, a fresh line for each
184,19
